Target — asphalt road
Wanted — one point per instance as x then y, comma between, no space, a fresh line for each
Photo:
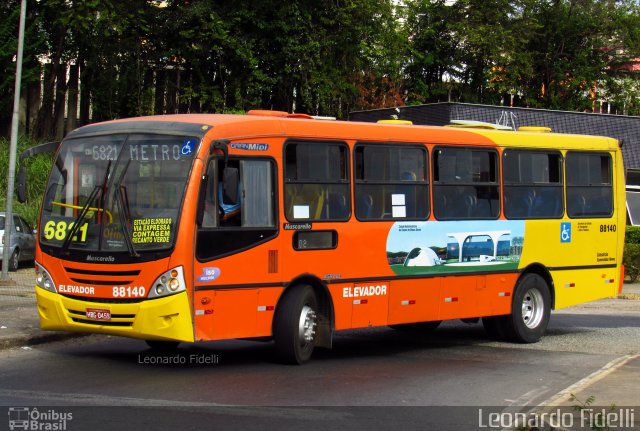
374,378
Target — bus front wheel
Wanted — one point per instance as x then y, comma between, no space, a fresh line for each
530,311
295,325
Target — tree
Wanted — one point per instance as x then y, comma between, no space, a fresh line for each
433,51
572,50
34,41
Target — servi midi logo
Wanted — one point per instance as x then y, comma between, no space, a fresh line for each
32,419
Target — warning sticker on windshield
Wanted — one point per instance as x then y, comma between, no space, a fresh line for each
151,230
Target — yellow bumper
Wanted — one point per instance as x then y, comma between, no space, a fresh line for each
166,318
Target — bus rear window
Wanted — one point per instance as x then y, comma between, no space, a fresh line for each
589,186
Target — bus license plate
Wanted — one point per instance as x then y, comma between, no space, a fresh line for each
98,314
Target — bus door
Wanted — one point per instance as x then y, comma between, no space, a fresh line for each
236,216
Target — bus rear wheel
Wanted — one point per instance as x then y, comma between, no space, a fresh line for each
295,324
531,310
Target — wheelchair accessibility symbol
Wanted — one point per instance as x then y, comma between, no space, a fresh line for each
187,147
565,232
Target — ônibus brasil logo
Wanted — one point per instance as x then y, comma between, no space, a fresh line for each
27,418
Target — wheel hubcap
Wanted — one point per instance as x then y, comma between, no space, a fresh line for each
532,308
308,323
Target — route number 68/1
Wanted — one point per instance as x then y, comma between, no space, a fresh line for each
58,230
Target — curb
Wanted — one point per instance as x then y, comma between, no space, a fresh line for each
589,380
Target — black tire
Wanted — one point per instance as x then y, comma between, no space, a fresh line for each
419,327
294,325
494,327
530,311
14,260
162,345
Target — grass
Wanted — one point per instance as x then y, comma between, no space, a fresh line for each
630,296
399,269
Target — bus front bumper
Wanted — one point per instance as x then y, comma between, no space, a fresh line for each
167,318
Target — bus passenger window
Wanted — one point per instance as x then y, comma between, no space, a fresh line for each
391,182
589,184
316,176
466,183
532,184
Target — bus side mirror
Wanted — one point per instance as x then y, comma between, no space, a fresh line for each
230,182
22,184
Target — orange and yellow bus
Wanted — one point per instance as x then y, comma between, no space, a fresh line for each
280,226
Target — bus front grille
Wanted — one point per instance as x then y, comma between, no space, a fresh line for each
89,277
104,273
101,323
105,300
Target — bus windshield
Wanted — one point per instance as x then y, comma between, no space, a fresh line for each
117,193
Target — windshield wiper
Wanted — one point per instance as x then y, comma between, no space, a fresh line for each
98,190
125,216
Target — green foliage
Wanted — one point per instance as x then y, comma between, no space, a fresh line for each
631,261
8,45
599,420
632,235
631,256
33,45
38,168
544,54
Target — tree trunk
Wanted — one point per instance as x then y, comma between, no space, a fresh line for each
147,93
72,103
184,105
45,114
172,91
60,103
161,88
33,105
85,93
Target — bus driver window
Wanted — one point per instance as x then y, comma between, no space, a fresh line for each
229,196
209,218
223,193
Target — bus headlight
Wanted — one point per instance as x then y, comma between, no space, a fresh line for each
168,283
43,279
